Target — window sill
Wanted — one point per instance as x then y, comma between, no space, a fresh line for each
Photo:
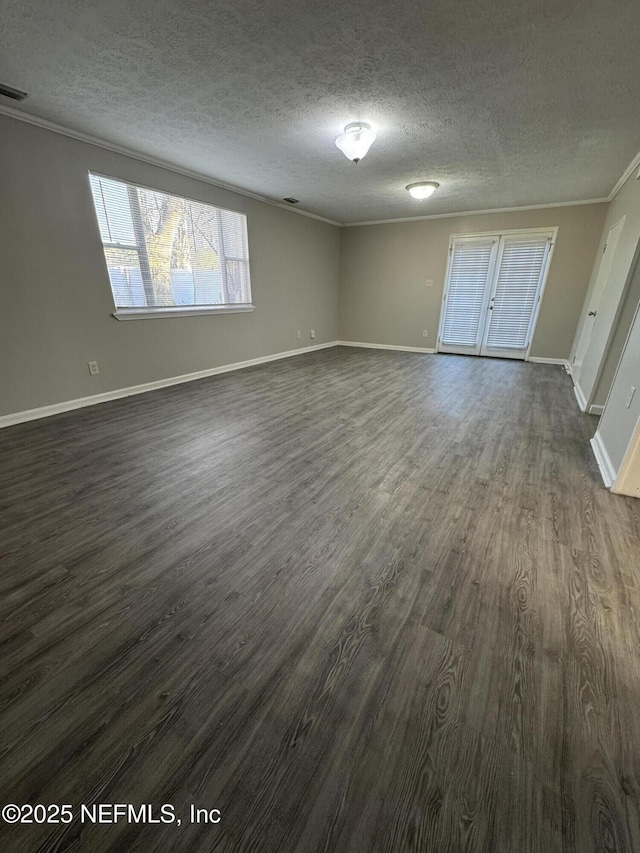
184,311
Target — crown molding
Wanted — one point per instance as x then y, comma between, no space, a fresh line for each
477,212
29,118
631,168
45,124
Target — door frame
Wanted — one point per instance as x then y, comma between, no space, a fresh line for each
591,304
495,252
551,230
585,401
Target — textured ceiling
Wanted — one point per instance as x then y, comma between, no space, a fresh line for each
505,103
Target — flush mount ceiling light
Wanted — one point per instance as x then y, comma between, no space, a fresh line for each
423,189
356,140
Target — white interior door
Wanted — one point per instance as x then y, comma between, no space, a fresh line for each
603,307
521,268
471,268
492,293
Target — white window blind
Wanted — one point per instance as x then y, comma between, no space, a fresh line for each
468,274
516,291
163,251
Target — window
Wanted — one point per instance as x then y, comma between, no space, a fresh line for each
170,255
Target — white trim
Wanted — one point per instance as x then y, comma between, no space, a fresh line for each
636,315
550,231
582,400
540,360
594,409
633,165
488,285
476,212
626,482
43,123
428,350
194,311
541,289
607,471
432,351
81,402
28,118
596,307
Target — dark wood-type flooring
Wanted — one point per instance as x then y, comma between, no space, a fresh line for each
358,601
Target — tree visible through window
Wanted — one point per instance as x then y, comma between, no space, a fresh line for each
165,251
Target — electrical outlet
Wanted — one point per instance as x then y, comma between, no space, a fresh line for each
94,370
299,334
629,399
428,282
312,333
425,333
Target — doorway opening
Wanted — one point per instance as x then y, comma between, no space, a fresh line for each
493,290
599,324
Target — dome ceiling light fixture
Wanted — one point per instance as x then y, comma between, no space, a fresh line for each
423,189
356,140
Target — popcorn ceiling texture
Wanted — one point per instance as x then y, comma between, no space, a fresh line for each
504,103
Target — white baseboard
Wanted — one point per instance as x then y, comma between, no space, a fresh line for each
582,400
540,360
595,409
81,402
607,471
431,350
385,346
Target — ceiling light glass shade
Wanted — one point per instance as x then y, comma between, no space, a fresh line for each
356,140
423,189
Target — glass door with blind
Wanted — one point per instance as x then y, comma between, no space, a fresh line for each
472,262
493,288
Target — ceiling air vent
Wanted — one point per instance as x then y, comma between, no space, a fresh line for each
292,200
10,92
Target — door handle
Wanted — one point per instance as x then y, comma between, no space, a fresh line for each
592,313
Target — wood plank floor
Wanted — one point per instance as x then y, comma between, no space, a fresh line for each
356,600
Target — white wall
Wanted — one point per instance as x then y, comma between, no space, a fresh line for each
618,421
626,203
56,299
628,480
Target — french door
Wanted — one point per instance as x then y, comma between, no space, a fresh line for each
492,292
